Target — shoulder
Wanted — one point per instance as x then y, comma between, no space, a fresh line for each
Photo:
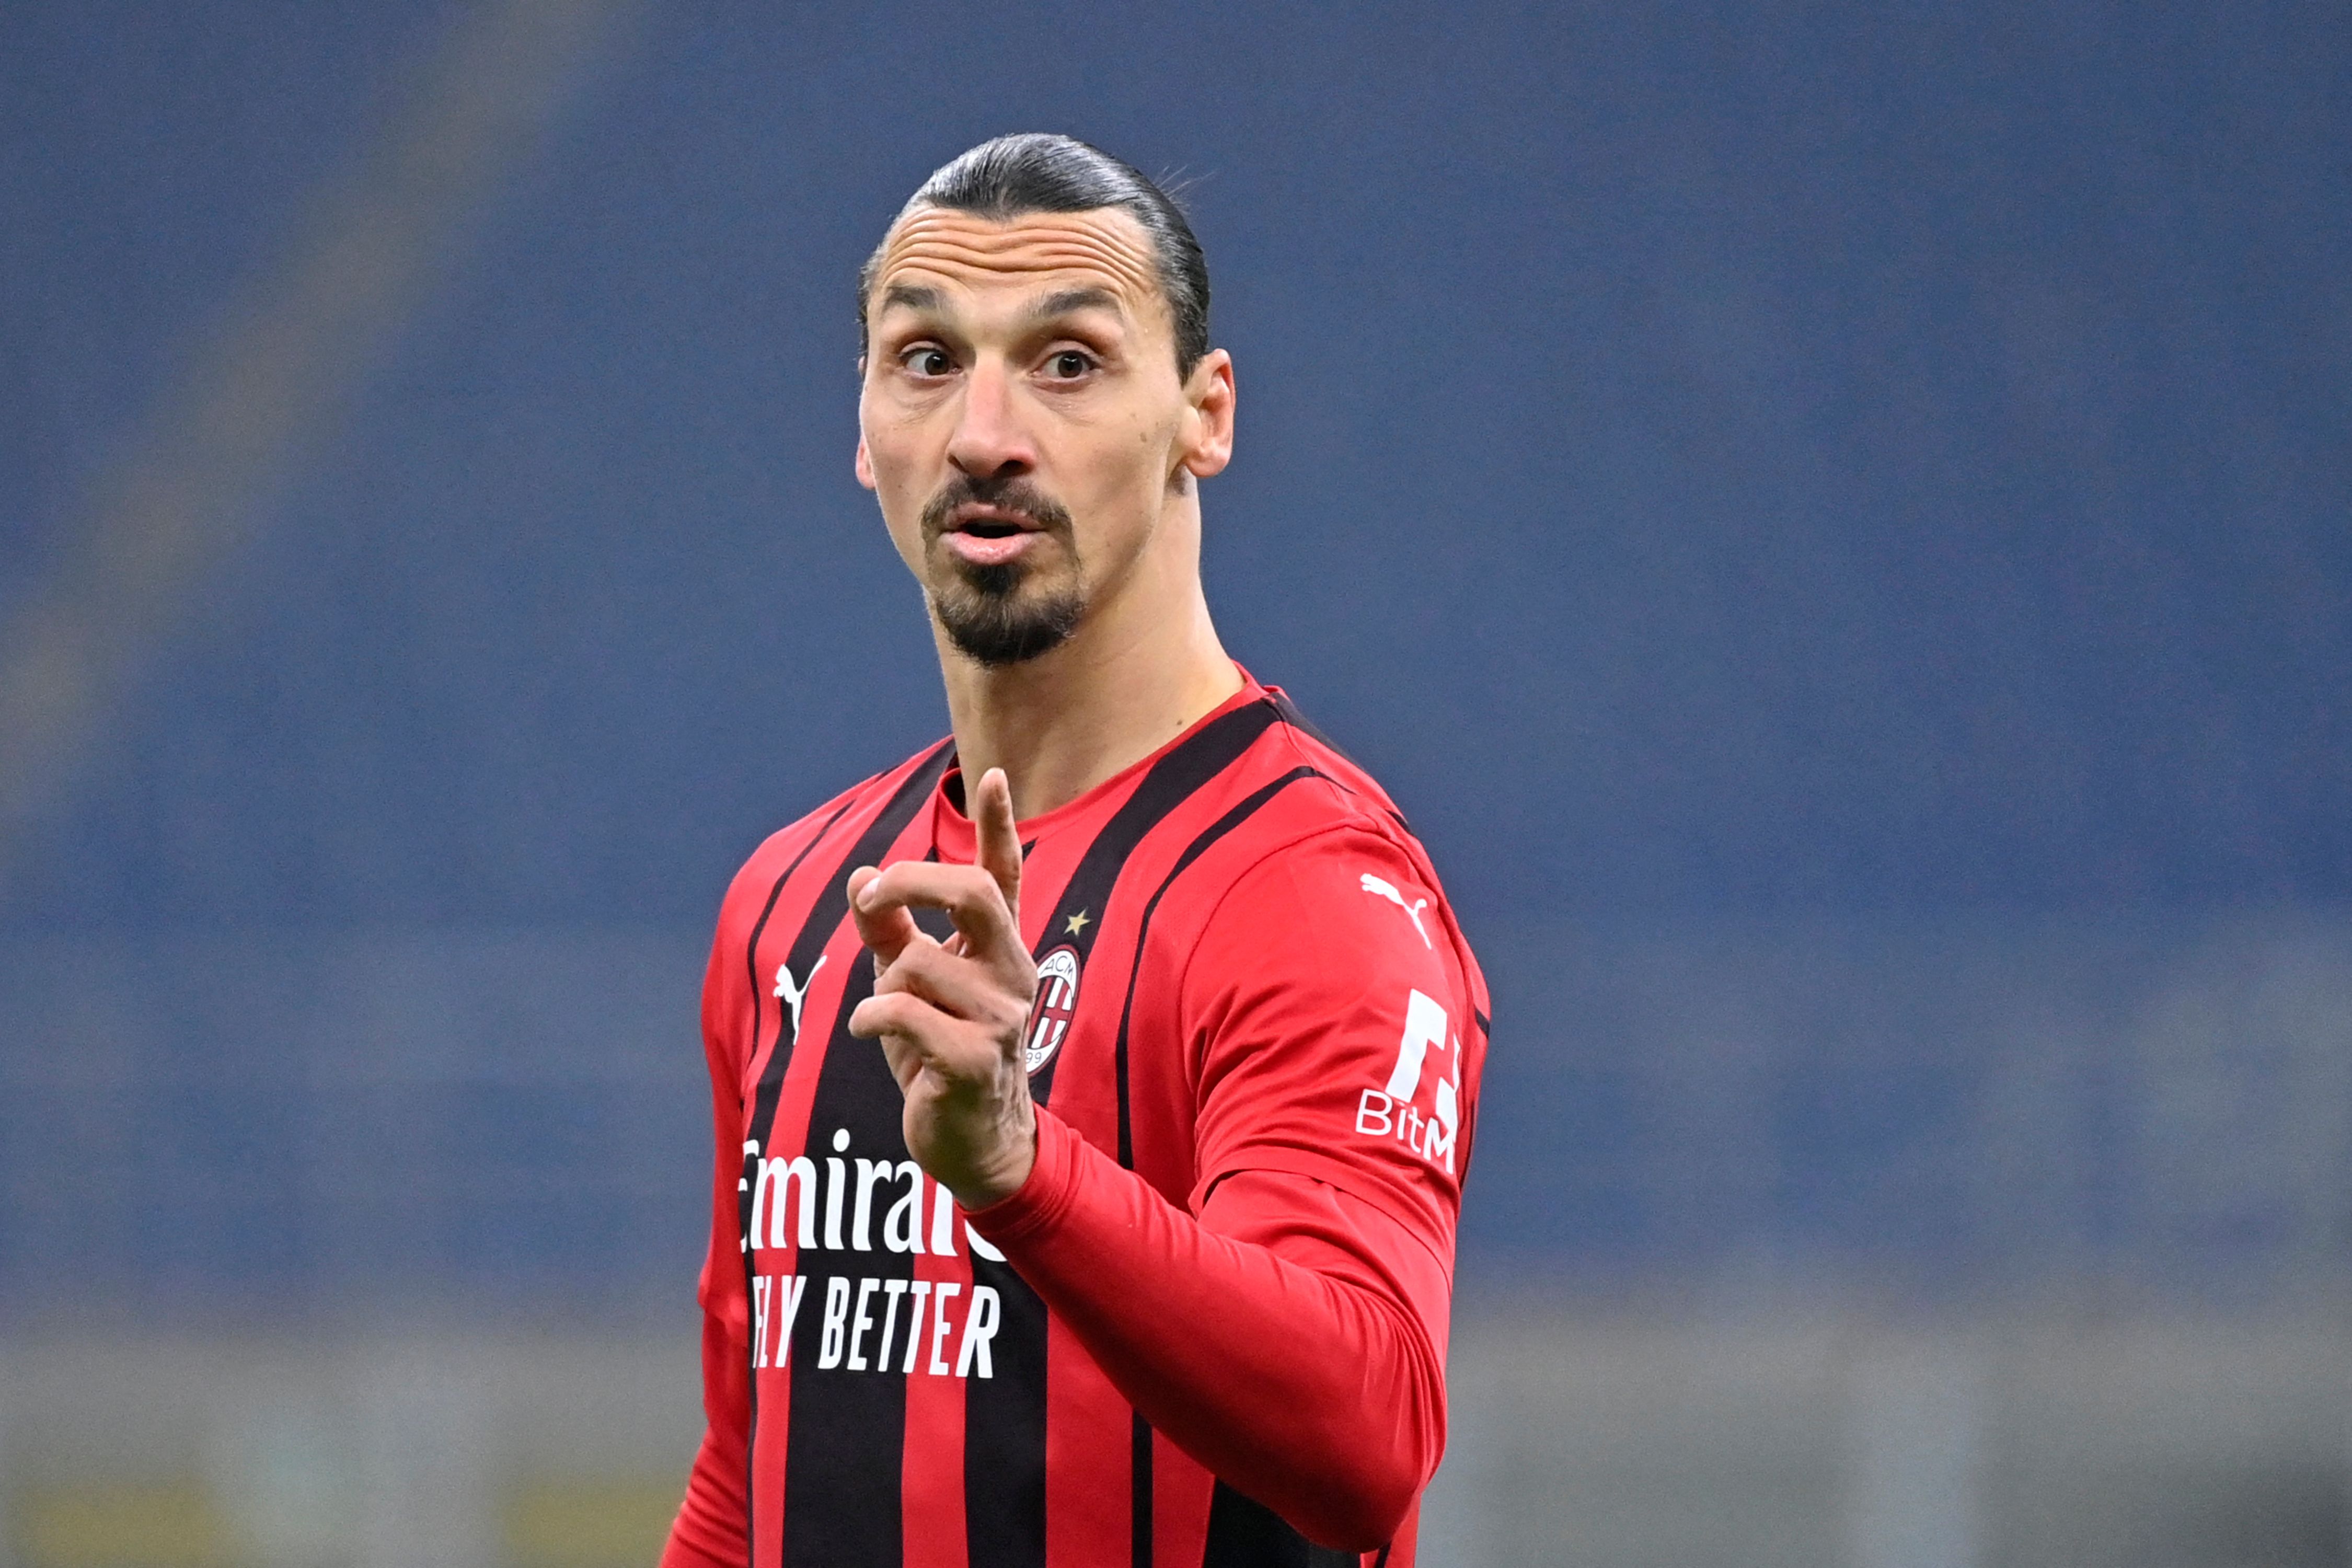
1311,857
1304,814
1287,784
1331,1014
1321,911
1324,887
782,851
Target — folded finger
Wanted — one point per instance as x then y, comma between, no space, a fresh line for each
972,898
914,1035
899,1014
886,928
958,986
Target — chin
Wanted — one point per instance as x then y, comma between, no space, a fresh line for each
1007,628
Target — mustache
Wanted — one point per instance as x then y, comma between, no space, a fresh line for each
1012,492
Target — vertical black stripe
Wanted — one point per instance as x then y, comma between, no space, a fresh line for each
1004,1432
1004,1417
1245,1533
1139,1514
1192,851
760,993
1172,780
1141,1549
742,1186
844,1452
825,915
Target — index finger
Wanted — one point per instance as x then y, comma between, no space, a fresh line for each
999,836
972,899
886,931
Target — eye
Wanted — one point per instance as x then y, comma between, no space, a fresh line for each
926,360
1068,364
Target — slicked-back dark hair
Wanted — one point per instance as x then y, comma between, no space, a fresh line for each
1037,172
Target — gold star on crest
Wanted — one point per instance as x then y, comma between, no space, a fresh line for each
1078,922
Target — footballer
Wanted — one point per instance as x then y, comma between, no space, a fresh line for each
1094,1089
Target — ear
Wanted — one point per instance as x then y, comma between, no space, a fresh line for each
865,465
1206,445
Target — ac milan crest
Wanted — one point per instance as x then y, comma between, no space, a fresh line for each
1057,999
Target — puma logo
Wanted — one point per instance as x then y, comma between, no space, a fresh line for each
792,994
1413,912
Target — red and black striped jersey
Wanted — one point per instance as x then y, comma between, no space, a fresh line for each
1255,1048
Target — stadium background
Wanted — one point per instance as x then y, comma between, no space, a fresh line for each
1835,521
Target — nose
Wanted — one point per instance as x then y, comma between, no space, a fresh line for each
991,440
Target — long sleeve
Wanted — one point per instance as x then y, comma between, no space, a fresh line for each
1291,1338
1286,1325
709,1531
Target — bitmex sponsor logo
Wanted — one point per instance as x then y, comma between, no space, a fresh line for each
1389,1112
844,1205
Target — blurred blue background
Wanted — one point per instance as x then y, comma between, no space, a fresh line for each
1835,521
1806,465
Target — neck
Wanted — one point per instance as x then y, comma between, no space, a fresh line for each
1143,668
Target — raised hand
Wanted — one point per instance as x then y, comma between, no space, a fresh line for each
950,1014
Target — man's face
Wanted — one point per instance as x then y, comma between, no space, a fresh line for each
1022,421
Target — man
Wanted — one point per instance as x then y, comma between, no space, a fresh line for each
1130,1239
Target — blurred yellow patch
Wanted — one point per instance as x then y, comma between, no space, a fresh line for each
174,1526
590,1525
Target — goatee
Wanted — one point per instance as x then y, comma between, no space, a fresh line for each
986,615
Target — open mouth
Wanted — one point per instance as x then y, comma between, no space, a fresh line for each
984,535
983,522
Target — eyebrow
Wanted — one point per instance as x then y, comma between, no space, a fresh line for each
1063,301
913,296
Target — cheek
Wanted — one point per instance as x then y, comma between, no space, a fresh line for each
891,457
1153,450
1117,473
899,496
1124,487
1129,454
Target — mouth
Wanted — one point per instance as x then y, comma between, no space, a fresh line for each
984,521
984,535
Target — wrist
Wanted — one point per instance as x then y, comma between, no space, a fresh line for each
999,1177
1043,1197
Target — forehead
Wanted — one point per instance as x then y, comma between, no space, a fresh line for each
973,255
